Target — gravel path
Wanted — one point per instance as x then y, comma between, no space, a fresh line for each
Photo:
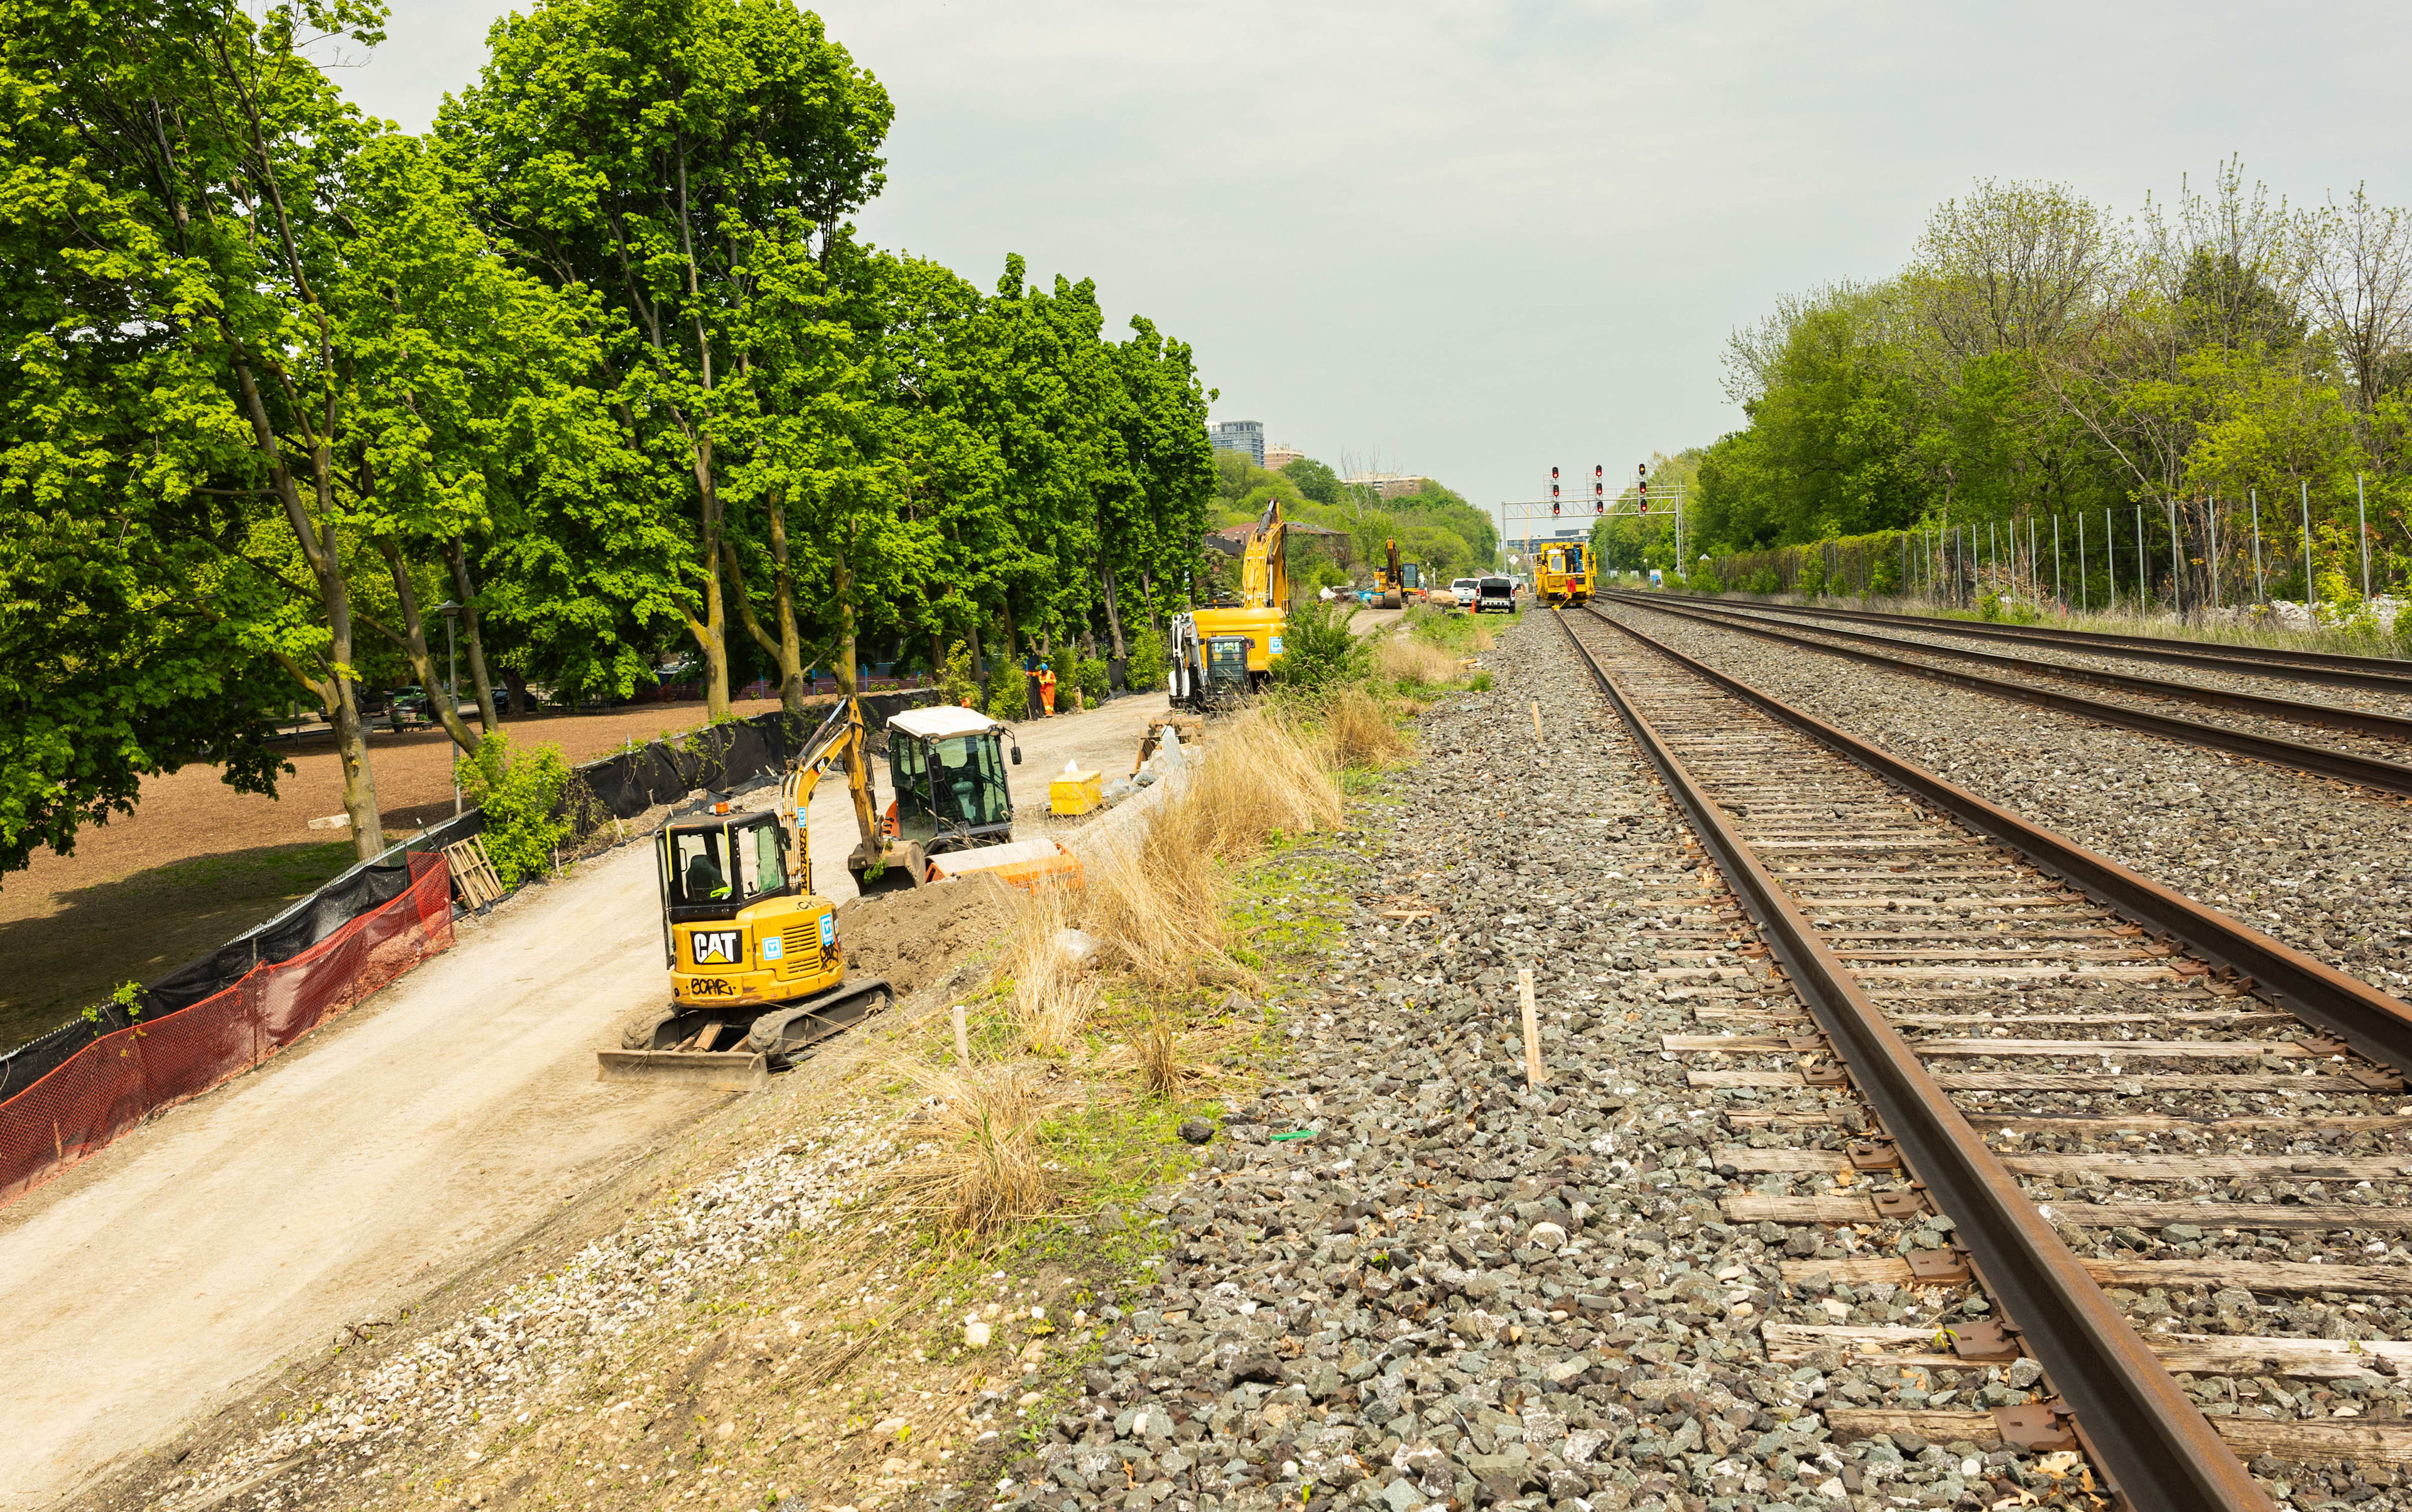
1404,1280
2317,865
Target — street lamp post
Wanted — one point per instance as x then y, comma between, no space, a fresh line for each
451,613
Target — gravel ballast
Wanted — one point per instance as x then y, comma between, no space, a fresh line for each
1404,1280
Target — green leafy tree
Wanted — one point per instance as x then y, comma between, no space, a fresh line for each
668,156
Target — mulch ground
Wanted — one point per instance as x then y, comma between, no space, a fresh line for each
198,863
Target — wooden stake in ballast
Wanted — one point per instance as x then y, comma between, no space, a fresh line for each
962,1040
1533,1074
1536,719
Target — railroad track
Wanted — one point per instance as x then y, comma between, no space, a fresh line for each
2330,668
2178,1239
2374,762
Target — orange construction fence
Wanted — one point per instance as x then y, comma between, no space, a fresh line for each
114,1082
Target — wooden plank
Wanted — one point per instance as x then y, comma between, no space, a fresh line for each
1788,1343
2222,1019
2110,1125
1752,1207
2212,1217
2066,1082
2158,1049
2250,1437
2119,1167
2178,1165
2273,1277
2016,974
2152,1081
1804,1117
1744,1078
1722,1045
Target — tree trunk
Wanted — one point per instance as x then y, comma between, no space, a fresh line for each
786,649
518,690
414,645
1113,611
980,661
488,718
711,633
842,585
791,640
322,551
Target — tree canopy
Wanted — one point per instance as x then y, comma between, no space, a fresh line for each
600,359
2038,360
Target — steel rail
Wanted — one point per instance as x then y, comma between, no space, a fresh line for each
2256,661
2367,771
2160,1452
2359,721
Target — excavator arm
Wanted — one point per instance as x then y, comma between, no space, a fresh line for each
841,739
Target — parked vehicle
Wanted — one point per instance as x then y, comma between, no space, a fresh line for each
1462,592
1494,595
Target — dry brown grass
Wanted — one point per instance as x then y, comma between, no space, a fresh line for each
1153,900
1407,659
1359,730
1053,994
978,1169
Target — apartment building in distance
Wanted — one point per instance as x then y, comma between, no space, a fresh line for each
1247,437
1387,485
1280,455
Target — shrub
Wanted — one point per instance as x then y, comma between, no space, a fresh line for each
955,682
521,793
1764,582
1146,669
1812,581
1009,692
1319,648
1091,677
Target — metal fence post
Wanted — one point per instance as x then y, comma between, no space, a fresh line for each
2261,585
2362,528
2309,598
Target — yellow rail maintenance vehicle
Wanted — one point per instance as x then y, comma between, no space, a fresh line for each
1562,574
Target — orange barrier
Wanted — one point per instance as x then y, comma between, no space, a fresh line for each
114,1082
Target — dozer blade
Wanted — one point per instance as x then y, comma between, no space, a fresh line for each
706,1070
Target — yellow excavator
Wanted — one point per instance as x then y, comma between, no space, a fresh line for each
1226,648
1394,580
757,970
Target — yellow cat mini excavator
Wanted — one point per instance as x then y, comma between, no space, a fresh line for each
757,970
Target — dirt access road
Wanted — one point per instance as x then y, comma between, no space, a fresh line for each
431,1127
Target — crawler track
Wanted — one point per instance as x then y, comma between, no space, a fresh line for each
2009,978
2379,772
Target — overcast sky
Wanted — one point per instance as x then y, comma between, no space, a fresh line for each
1475,239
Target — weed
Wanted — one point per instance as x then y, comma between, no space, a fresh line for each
980,1168
1054,997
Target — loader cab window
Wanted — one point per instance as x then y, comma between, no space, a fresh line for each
954,783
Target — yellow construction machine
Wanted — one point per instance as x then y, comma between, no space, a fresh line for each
757,970
1226,648
1393,580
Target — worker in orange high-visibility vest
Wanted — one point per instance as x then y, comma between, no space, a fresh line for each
1047,690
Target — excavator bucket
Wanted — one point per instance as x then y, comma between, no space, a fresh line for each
1032,865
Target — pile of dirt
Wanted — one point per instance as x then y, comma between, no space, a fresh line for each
918,936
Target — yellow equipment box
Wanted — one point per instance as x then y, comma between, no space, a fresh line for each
1076,792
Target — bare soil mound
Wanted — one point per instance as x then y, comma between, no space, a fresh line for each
913,938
